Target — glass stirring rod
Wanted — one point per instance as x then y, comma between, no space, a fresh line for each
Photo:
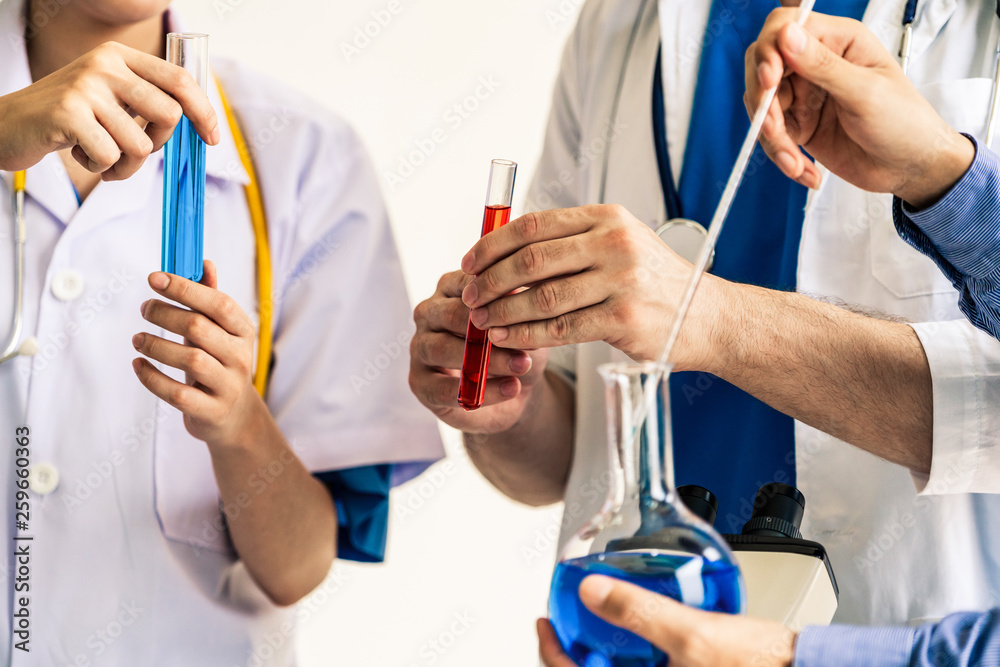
477,346
714,229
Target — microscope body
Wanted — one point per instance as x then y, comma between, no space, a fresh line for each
788,579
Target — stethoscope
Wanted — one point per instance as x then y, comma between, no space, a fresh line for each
29,347
909,14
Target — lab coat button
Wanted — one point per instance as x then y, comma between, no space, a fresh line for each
67,284
43,478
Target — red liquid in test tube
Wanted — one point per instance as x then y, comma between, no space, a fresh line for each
477,346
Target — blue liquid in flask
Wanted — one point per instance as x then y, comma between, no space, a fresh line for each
184,202
592,642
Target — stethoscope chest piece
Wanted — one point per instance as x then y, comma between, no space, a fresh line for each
686,238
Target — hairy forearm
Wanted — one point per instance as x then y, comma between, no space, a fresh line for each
530,461
281,519
863,380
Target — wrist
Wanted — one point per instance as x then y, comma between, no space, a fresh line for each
945,169
252,426
710,345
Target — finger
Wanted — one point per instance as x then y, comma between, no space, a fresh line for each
439,390
531,264
94,148
544,301
445,314
446,351
528,229
194,327
158,109
662,621
784,151
579,326
451,284
200,366
810,58
181,86
209,274
189,400
134,145
549,649
763,65
217,306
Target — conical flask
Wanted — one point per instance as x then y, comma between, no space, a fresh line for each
642,534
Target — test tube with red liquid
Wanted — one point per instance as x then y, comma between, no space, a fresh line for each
477,345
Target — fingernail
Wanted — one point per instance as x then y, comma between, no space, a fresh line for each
498,334
136,365
144,306
520,364
158,280
468,261
216,136
796,38
785,161
478,317
470,294
137,340
508,387
596,588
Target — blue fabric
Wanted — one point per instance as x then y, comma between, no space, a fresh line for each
724,439
361,496
961,233
958,640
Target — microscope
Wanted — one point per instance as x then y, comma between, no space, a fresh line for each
788,579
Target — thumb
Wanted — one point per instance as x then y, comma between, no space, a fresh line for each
814,61
656,618
209,274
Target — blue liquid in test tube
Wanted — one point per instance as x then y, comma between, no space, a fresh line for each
184,172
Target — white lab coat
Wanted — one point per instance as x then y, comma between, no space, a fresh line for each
904,549
131,564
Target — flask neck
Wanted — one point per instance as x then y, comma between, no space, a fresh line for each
640,451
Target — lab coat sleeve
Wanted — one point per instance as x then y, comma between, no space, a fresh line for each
958,640
961,233
343,323
559,179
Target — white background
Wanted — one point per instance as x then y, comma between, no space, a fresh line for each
467,570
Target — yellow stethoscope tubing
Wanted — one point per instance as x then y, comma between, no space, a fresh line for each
258,220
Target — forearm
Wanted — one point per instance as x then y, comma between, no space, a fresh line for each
282,520
530,461
863,380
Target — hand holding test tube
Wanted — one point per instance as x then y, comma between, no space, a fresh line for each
184,171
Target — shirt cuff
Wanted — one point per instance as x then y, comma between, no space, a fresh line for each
965,376
962,226
361,496
848,646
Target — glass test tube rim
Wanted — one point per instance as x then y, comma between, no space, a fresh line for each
189,50
500,187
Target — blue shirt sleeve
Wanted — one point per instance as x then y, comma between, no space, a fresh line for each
958,640
361,496
961,233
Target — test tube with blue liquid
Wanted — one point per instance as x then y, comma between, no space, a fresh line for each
184,170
